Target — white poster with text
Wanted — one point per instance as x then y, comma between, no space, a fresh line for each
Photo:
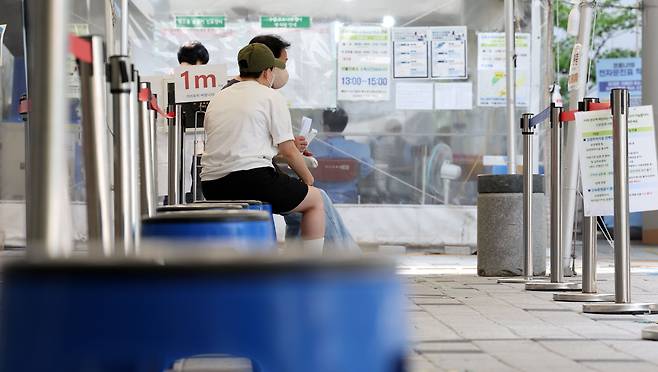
594,130
492,84
364,63
449,48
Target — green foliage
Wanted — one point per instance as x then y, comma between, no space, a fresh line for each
611,20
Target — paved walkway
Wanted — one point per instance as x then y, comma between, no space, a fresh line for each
460,322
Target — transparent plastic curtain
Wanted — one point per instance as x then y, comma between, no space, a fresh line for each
86,17
406,148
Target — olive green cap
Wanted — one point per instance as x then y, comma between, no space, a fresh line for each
257,58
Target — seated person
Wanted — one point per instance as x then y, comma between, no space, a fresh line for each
247,124
337,147
337,237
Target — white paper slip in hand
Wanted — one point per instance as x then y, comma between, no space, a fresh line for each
306,126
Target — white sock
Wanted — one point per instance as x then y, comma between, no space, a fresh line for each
313,246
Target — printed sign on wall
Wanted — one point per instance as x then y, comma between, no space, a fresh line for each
620,73
364,63
410,52
449,52
492,85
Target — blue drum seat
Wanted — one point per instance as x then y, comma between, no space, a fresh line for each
281,314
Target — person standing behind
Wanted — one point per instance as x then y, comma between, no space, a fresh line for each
247,124
336,146
191,54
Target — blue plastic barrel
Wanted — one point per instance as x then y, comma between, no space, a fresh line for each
282,315
241,230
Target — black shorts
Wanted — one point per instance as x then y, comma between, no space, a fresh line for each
283,192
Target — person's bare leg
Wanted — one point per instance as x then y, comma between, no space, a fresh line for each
312,210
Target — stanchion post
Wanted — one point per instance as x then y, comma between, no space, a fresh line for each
120,84
528,131
174,148
135,202
48,217
557,282
619,102
95,149
146,163
590,291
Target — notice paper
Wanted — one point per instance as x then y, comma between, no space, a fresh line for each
364,63
453,96
448,46
410,52
414,96
594,130
492,83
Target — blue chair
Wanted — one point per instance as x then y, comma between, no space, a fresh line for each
280,314
241,230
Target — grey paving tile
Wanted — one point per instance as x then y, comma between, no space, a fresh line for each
585,350
468,362
612,366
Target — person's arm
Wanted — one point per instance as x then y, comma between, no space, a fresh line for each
289,152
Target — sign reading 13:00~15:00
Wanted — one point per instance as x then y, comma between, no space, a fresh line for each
356,80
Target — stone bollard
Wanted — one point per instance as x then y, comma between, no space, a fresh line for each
500,225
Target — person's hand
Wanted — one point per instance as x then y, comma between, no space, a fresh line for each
309,181
301,144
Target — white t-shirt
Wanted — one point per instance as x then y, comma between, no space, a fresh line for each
244,123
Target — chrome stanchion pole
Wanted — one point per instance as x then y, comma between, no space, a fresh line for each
146,163
174,149
528,131
48,211
619,100
120,85
590,291
557,282
153,124
94,145
136,211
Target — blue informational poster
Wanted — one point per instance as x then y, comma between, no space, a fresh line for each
620,73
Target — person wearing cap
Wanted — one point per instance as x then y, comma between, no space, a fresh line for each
336,235
247,125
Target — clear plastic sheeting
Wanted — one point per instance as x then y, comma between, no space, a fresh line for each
311,63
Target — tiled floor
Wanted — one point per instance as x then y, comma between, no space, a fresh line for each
461,322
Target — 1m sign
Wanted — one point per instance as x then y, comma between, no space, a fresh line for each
198,83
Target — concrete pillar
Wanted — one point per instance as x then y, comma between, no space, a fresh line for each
650,93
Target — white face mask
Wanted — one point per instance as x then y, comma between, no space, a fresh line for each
280,78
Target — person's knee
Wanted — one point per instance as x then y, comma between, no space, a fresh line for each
315,195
